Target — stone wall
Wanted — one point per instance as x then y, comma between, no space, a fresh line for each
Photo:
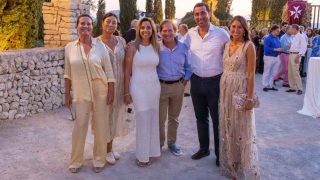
31,81
60,17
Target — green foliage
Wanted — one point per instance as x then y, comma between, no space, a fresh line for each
100,13
19,23
276,10
149,7
128,9
170,9
223,9
188,19
158,10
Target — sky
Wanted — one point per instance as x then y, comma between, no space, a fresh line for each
239,7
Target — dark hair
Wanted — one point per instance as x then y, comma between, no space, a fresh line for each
284,23
84,15
170,22
110,14
274,27
200,5
244,25
312,33
296,26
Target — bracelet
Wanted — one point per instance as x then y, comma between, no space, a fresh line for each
127,94
249,99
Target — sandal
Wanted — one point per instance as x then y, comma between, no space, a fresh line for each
98,169
74,170
142,164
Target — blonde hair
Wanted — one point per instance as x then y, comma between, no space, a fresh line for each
153,38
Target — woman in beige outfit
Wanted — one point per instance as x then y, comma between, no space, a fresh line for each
116,47
88,72
238,150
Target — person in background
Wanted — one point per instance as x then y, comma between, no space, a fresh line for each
130,35
310,35
183,32
315,52
285,41
272,49
283,29
262,35
297,49
174,72
88,71
255,39
303,57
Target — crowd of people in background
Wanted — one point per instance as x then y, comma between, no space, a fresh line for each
285,56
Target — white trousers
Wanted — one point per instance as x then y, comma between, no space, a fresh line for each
271,67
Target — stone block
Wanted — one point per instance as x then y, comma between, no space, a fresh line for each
4,115
49,19
51,32
5,107
14,105
12,113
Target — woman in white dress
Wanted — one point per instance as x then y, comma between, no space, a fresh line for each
141,62
115,45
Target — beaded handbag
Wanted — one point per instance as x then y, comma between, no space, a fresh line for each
240,99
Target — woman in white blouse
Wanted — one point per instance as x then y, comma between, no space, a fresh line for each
88,72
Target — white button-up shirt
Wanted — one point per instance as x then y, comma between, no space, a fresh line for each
207,53
299,44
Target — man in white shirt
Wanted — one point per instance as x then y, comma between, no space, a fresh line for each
183,32
206,43
297,50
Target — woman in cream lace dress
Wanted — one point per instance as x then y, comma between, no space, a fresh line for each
238,151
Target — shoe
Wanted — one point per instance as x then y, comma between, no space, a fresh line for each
273,89
265,89
217,162
110,158
200,154
290,90
116,155
274,82
299,92
74,170
175,150
142,164
98,169
285,85
186,94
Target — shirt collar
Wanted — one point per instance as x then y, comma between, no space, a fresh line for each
211,27
163,47
93,40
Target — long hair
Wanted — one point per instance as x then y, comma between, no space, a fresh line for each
153,38
244,25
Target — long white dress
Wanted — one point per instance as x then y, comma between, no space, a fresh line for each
145,92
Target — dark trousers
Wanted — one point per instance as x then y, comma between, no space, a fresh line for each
205,96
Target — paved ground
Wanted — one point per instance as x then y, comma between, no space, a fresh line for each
38,147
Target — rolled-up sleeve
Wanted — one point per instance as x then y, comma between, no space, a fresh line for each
67,67
107,67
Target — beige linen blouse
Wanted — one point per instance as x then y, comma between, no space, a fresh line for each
82,69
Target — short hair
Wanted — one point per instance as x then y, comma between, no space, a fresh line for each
170,22
200,4
295,26
84,15
184,26
284,23
133,23
274,27
110,14
288,27
301,28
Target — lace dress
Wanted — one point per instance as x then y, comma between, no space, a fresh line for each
238,150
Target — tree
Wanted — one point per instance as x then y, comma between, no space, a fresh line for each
170,9
149,7
100,13
188,19
19,25
276,6
128,9
158,10
212,5
223,9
